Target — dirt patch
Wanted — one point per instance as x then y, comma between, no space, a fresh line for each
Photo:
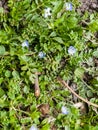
88,5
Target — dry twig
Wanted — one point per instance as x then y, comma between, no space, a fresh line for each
71,90
37,89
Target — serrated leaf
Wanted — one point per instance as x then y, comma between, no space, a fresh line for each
89,93
79,72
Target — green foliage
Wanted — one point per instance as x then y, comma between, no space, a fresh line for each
53,36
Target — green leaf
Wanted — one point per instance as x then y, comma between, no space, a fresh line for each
7,73
24,67
1,80
58,39
46,127
53,34
89,93
1,92
2,50
3,103
1,9
95,53
79,72
93,26
26,120
58,6
71,22
15,74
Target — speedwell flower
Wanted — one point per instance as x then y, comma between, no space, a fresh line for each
25,44
33,127
64,110
41,54
68,6
47,12
71,50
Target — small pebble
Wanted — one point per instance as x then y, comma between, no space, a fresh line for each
71,50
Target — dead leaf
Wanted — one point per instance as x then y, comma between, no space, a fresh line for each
44,109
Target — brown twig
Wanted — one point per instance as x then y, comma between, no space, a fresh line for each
37,89
85,100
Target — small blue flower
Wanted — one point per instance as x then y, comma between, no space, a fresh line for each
25,44
71,50
64,110
41,54
33,127
68,6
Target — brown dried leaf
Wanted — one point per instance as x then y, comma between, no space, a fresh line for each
44,109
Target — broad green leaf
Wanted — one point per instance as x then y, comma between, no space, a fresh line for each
58,6
15,74
95,53
1,80
53,34
1,92
93,26
79,72
71,22
89,93
24,67
58,39
3,103
1,10
7,73
2,50
46,127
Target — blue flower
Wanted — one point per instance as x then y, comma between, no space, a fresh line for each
68,6
33,127
25,44
41,54
71,50
64,110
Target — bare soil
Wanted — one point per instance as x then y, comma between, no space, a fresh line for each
88,5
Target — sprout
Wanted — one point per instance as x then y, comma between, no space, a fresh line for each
25,44
64,110
41,54
47,12
33,127
71,50
68,6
